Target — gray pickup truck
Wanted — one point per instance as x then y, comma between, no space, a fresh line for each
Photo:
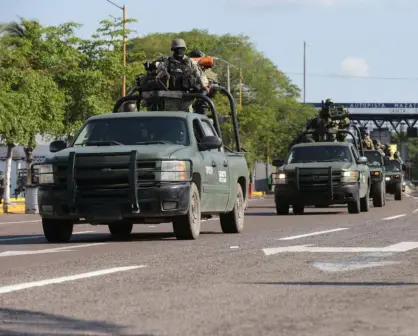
394,178
126,168
377,174
321,174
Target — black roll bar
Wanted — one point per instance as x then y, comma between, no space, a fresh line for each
179,95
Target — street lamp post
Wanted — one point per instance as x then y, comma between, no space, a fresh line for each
123,8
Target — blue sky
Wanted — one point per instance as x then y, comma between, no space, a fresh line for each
364,38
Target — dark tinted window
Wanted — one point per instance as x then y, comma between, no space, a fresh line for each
134,131
374,158
393,165
319,154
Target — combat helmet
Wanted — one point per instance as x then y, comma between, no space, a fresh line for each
129,106
196,54
178,43
329,102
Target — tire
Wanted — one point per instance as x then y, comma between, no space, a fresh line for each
121,230
282,208
398,192
354,206
57,231
233,222
378,196
187,227
298,209
364,202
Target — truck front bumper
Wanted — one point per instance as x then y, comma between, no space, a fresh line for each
391,184
159,201
288,193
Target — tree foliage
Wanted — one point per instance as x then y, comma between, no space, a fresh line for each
51,81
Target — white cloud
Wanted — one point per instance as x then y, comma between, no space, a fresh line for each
353,66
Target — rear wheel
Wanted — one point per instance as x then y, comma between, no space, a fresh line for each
364,202
188,225
298,209
57,230
398,191
233,222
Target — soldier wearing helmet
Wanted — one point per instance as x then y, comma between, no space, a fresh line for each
129,106
367,141
183,75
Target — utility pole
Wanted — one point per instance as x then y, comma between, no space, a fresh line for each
304,72
228,76
240,88
124,52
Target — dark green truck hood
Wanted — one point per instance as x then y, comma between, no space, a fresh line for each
144,151
334,165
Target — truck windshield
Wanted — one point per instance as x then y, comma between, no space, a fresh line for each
133,131
393,165
319,154
374,158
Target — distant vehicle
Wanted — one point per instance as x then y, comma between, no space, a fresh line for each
394,178
377,174
323,173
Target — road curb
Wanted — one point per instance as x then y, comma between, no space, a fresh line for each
13,208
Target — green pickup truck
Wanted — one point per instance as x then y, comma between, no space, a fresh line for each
126,168
322,173
377,174
394,178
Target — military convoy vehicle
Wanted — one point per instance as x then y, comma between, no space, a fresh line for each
394,178
126,168
323,173
377,174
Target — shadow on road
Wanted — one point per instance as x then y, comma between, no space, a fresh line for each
30,323
342,284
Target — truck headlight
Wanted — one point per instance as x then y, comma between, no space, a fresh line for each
175,171
279,178
349,177
387,178
46,174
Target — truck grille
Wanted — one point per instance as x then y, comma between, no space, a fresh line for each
316,179
96,172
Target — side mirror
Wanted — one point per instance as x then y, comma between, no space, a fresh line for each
210,142
57,145
362,160
277,163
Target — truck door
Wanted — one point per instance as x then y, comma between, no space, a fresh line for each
362,169
222,174
208,172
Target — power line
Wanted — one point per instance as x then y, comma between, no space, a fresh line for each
353,77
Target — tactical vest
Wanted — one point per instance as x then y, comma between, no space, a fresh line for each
181,76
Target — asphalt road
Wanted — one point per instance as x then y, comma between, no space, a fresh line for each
333,283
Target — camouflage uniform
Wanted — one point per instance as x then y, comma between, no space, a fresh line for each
367,141
378,146
172,65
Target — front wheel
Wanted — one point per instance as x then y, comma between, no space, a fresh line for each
282,208
398,192
57,230
233,222
121,230
187,227
364,202
354,206
378,196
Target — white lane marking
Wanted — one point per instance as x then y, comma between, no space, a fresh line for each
39,237
51,250
22,286
400,247
19,222
234,247
210,219
333,267
394,217
415,211
312,234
